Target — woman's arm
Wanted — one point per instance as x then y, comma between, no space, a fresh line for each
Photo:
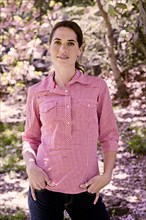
95,184
108,137
38,179
31,141
109,162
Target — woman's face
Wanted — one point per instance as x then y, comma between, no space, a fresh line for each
64,48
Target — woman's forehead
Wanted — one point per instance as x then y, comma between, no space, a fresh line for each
65,33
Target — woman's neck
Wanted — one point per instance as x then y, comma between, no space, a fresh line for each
63,76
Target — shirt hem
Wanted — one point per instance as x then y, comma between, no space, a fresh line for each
66,191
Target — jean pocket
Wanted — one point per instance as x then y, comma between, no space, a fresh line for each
41,190
90,194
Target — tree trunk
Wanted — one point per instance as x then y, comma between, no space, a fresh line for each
140,31
122,91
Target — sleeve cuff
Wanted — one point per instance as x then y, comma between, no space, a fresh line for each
110,146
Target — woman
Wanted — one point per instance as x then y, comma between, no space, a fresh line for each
67,113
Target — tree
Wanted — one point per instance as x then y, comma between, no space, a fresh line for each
122,92
140,31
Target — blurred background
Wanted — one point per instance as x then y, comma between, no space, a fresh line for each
114,48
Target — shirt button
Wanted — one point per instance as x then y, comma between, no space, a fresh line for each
68,122
66,90
88,105
67,106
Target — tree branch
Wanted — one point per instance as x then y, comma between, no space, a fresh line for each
116,71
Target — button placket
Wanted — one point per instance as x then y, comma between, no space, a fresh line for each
68,125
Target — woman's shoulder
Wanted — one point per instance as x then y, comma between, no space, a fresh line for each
94,80
42,85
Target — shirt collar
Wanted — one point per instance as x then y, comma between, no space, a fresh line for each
81,77
49,83
78,77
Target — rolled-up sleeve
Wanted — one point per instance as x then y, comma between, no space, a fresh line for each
32,135
108,131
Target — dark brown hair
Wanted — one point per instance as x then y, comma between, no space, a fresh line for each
75,27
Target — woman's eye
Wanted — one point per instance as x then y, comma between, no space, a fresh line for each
57,42
71,44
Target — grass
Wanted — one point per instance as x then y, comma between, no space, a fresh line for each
20,215
10,147
137,143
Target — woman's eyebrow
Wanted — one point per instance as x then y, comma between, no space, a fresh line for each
56,39
70,40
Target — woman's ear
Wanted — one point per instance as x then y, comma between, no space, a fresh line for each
80,51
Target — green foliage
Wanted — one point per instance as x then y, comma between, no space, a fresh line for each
42,6
10,147
137,143
119,211
45,5
121,5
20,215
83,2
111,10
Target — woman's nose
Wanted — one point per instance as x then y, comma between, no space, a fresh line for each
63,48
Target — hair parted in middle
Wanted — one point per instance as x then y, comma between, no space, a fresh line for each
76,28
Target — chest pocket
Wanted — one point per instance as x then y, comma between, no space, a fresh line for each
48,112
87,109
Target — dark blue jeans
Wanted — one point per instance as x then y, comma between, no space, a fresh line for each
51,205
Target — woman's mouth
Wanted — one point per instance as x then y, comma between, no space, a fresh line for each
63,57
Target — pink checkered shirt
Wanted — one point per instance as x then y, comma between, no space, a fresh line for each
64,126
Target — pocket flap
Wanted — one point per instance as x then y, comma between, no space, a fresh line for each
87,103
47,106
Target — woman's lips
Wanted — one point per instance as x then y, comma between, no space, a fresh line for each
63,57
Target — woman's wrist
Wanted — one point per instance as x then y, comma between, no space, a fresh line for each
30,164
108,176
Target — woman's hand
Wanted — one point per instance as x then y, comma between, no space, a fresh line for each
95,184
38,179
